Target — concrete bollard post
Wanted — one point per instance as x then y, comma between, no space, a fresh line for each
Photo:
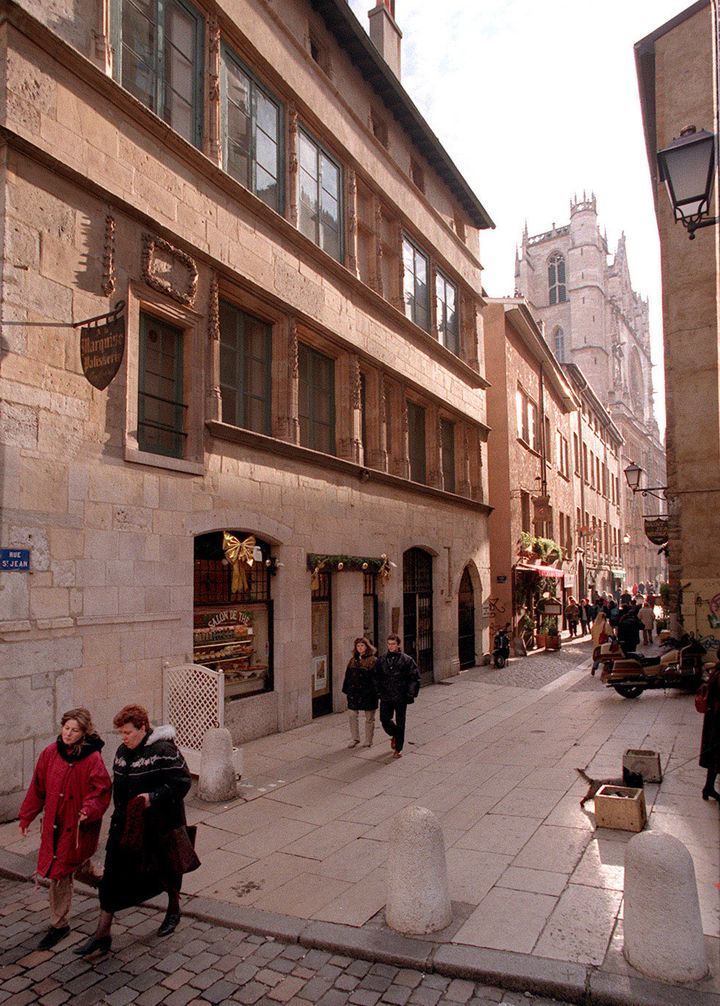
216,781
418,898
663,928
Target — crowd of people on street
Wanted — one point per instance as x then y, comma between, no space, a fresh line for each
149,845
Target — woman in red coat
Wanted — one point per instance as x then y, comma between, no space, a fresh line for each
71,784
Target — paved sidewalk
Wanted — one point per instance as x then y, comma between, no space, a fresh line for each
537,891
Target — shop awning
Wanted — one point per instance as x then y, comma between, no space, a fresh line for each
526,567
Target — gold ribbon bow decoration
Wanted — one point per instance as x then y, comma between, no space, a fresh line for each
239,554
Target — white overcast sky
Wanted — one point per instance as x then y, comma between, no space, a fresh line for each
536,102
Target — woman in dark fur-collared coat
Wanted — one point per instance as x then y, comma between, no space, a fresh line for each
710,742
360,687
150,780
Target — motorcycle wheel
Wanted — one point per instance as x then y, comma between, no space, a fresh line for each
629,691
499,662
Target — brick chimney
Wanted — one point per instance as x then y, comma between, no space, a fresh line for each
385,33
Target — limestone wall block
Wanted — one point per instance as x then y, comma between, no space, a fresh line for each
98,515
102,545
133,518
91,573
49,602
101,601
63,573
22,244
36,539
43,484
14,596
25,712
120,572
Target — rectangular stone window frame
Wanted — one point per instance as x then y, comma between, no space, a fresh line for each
158,65
229,60
448,454
141,300
283,402
447,322
314,356
319,233
416,293
417,437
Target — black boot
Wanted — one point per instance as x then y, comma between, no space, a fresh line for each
95,945
53,936
169,923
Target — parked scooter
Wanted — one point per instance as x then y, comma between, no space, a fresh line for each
501,644
630,674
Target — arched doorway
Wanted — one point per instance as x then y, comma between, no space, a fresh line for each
417,610
466,621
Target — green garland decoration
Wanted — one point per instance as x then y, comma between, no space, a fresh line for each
317,563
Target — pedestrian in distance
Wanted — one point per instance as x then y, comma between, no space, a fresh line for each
590,612
71,786
147,849
710,742
628,630
572,612
647,620
600,633
360,687
398,684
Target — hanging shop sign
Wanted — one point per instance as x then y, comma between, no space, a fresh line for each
102,346
656,530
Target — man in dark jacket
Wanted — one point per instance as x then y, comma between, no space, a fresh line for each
398,684
628,630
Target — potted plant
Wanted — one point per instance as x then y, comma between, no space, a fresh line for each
526,630
552,639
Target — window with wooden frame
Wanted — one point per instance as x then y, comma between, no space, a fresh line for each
446,313
251,131
416,442
158,46
316,390
417,175
379,128
447,449
415,283
245,369
161,406
320,196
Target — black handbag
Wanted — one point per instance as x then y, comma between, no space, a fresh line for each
180,849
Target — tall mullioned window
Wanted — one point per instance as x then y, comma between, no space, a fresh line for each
557,289
316,388
251,132
416,441
245,369
447,447
446,313
415,284
320,196
161,410
160,49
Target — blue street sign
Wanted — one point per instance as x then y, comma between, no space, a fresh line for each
14,559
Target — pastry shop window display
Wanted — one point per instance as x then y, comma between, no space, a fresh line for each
232,629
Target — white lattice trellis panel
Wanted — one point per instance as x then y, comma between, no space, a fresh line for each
193,702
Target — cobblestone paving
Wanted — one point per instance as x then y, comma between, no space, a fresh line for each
539,668
201,964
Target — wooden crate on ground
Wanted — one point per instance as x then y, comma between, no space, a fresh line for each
621,807
644,763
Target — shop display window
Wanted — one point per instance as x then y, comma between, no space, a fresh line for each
232,628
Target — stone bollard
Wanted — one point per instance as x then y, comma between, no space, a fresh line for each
418,898
216,781
663,928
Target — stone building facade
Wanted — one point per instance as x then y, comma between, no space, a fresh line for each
292,451
678,77
554,460
592,318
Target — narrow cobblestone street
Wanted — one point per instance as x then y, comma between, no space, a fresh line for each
200,964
